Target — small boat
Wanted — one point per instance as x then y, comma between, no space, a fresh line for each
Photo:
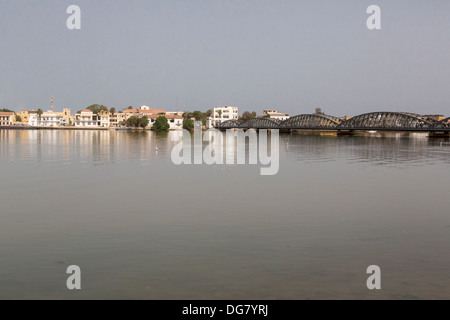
122,128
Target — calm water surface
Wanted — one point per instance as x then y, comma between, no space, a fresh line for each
142,228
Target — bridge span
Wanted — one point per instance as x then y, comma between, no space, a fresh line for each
375,121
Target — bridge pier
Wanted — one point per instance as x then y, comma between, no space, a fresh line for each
436,134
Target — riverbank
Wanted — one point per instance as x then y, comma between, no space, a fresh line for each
49,128
72,128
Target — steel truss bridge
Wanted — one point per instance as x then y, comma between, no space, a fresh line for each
376,121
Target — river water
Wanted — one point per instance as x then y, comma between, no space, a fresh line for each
140,227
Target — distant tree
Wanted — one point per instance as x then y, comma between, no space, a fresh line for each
143,122
198,115
132,122
220,113
112,110
39,112
5,110
18,118
188,124
129,108
319,111
266,116
96,108
248,115
161,124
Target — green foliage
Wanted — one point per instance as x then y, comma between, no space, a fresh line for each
198,115
40,112
248,115
188,124
5,110
143,122
319,111
137,122
132,122
96,108
18,118
112,110
161,124
129,108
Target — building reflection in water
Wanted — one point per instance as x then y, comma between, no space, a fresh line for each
90,147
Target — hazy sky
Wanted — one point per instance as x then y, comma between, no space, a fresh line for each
291,55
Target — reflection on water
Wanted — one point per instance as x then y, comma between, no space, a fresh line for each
113,203
109,147
83,146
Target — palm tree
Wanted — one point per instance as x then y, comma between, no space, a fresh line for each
39,113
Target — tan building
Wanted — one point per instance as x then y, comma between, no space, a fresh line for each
7,118
24,116
274,114
117,119
438,117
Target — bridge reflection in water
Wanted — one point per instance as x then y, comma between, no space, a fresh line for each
376,121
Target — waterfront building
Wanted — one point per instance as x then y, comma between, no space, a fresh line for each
7,118
175,113
87,119
66,114
147,111
47,119
175,121
131,112
117,119
222,114
24,116
274,114
174,118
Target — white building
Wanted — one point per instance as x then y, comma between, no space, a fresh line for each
175,121
6,118
222,114
47,119
274,114
87,119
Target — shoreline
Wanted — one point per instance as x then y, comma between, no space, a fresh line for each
49,128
